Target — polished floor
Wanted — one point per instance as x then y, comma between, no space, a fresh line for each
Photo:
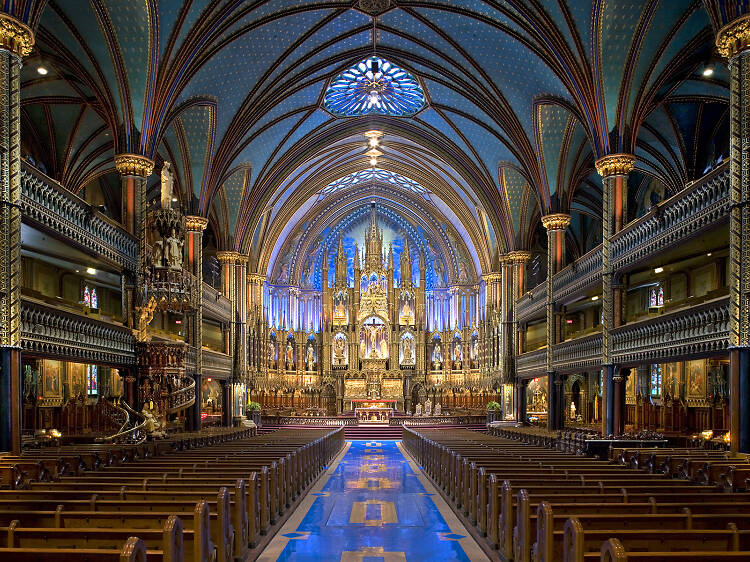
373,504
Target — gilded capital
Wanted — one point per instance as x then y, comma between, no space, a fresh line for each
227,257
134,165
256,278
556,221
615,165
15,36
734,37
518,256
195,224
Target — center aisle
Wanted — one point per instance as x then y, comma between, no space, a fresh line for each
373,504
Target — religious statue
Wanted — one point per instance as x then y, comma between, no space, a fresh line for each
167,185
383,348
339,351
363,349
572,411
428,408
407,316
340,311
157,253
474,349
310,358
438,409
152,426
457,356
437,357
408,350
418,410
289,355
173,251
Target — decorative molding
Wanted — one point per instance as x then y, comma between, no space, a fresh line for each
134,165
615,165
195,224
518,256
15,36
556,221
48,331
66,215
734,37
230,257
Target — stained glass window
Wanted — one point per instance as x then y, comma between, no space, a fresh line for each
655,380
374,86
91,379
86,296
373,174
656,297
94,299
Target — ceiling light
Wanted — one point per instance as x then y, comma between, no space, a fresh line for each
42,70
708,71
595,298
91,271
374,142
658,270
373,153
373,161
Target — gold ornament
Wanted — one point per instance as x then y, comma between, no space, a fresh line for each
195,224
230,257
734,37
134,165
615,165
15,36
556,221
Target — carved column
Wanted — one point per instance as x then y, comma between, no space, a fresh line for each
194,227
555,225
614,170
16,41
518,259
228,261
733,42
134,171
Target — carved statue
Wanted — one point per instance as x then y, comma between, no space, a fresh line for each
167,185
310,358
173,251
362,349
428,408
289,355
145,316
408,349
339,349
340,311
438,409
383,349
373,341
157,254
437,353
572,411
418,410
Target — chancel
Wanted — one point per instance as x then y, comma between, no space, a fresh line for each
375,279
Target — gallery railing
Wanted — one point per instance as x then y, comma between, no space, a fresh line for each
215,305
48,204
696,331
578,355
217,365
531,304
532,363
49,331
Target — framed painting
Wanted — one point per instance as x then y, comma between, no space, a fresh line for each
52,376
696,378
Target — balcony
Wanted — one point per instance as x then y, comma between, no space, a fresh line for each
580,354
215,305
216,365
684,333
531,304
48,204
532,364
51,332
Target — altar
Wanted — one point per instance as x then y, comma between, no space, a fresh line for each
373,410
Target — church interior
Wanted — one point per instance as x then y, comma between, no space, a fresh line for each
375,280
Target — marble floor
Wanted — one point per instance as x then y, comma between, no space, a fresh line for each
373,504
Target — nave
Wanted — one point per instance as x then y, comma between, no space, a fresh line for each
373,503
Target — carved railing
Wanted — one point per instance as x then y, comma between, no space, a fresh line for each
578,355
48,331
312,421
532,363
216,305
47,203
183,396
698,330
217,365
191,360
439,420
531,304
694,209
579,276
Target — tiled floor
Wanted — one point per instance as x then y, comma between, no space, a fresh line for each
373,504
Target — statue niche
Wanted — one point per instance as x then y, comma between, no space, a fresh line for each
407,350
340,355
373,339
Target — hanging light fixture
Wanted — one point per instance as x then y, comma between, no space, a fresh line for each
374,153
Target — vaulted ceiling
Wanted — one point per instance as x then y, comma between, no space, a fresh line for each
522,97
